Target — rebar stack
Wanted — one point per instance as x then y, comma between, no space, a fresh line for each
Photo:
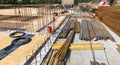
84,34
99,34
92,34
105,32
93,30
77,27
66,29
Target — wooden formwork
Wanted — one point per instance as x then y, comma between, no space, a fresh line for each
111,23
110,16
98,13
118,47
18,57
112,9
3,17
24,18
5,42
4,26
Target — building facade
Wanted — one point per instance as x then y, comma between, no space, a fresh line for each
116,3
68,2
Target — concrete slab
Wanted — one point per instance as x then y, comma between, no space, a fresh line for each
79,58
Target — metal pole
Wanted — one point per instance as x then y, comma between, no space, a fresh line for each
27,59
34,56
40,52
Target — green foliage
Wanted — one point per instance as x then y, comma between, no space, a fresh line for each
38,1
111,1
14,2
80,1
55,1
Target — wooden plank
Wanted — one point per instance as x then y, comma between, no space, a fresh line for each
5,42
82,46
18,57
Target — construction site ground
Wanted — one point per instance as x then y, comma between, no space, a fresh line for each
108,56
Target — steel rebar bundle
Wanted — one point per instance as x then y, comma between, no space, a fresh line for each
66,29
77,27
93,30
84,34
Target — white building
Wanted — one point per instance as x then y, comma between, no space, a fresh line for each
116,3
68,2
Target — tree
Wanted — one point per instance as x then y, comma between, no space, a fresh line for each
111,2
80,1
30,1
1,1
